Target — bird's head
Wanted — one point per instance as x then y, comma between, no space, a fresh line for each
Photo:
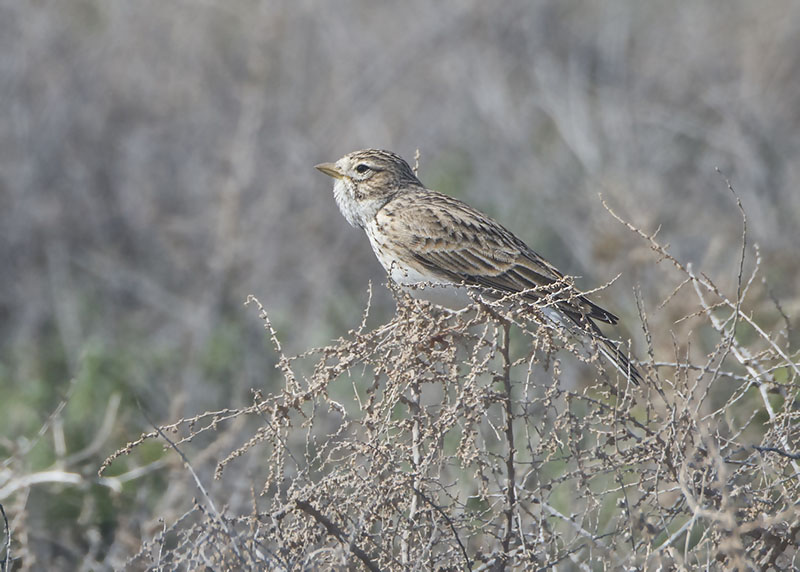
367,180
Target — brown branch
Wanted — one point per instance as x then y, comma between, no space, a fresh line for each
449,522
416,458
795,456
5,563
511,495
216,514
334,530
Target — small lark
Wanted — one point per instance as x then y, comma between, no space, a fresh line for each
424,237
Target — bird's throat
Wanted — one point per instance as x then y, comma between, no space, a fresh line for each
347,203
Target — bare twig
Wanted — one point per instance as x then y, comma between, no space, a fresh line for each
531,462
217,515
795,456
6,561
338,533
511,478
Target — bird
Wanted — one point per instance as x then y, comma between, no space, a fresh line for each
427,239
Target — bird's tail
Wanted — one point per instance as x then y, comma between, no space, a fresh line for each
610,349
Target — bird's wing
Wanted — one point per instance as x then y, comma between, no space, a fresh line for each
474,249
470,247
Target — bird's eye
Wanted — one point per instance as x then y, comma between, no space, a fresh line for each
362,168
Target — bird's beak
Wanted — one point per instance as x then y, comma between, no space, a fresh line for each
330,169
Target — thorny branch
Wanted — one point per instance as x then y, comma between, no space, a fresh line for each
441,438
511,484
6,561
334,530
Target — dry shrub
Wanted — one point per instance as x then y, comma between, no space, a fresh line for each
446,440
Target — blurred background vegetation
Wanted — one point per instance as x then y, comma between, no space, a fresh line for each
156,167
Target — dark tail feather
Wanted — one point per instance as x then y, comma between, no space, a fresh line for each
610,349
614,353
